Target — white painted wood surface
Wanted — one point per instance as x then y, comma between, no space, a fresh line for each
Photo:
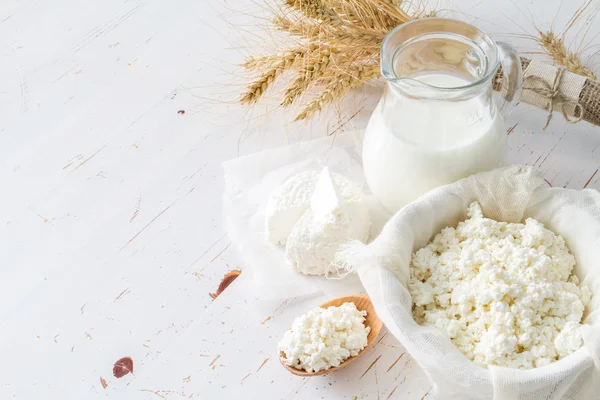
110,214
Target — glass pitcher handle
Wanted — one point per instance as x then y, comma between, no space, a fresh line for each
512,78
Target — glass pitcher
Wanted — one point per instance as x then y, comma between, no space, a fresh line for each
438,121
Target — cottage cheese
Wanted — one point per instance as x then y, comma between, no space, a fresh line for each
329,222
324,337
504,293
289,201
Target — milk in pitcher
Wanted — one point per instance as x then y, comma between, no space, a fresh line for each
440,118
427,143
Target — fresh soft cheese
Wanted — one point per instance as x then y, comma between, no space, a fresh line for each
329,222
326,199
290,200
504,293
286,205
325,337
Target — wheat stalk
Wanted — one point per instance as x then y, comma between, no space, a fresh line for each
342,36
336,49
307,75
315,9
348,38
555,47
303,28
337,89
275,66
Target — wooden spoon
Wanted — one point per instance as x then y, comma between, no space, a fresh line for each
362,303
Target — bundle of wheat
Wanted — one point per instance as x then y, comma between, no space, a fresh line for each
337,49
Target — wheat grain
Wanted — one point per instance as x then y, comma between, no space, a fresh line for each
355,13
315,9
348,35
307,75
346,11
391,10
555,48
347,38
277,66
260,62
354,77
298,26
272,60
257,88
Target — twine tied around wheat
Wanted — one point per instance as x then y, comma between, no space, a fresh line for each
555,98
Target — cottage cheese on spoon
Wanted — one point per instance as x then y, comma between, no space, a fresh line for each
325,337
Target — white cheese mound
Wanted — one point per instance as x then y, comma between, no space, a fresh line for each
291,199
324,338
329,222
504,293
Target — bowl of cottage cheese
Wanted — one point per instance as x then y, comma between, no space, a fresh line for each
489,283
504,293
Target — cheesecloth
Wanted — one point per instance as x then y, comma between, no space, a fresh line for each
508,194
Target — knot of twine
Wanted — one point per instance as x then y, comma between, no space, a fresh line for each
555,97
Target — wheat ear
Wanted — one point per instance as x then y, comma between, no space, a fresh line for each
555,47
349,36
275,67
315,9
351,78
307,75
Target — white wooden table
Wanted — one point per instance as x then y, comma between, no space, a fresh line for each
110,213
